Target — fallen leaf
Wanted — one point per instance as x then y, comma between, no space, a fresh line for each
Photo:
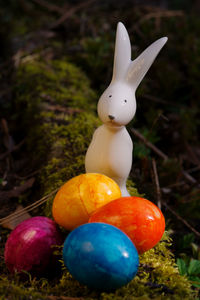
12,222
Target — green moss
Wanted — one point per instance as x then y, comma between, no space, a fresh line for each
52,97
16,290
57,113
132,189
157,278
66,159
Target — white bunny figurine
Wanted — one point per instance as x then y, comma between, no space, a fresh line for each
110,151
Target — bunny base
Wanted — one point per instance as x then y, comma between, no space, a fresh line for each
104,154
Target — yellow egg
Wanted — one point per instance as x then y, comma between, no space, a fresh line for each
79,197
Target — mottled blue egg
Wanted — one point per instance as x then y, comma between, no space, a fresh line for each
100,256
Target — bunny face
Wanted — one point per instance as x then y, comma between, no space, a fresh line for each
117,105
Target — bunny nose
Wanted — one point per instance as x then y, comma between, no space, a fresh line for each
111,117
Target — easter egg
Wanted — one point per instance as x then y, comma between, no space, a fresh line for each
29,247
82,195
139,218
100,256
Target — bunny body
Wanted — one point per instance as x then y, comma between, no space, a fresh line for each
110,143
110,151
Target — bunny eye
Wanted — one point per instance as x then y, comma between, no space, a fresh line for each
125,101
110,96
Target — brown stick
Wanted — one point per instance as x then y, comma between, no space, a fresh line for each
162,155
70,13
50,7
16,191
158,15
156,181
181,219
15,148
190,178
158,100
149,144
27,208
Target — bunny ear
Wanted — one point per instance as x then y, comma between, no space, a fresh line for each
139,67
122,57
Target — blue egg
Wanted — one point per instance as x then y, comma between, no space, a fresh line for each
100,256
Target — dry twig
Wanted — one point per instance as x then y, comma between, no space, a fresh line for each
156,181
197,233
49,6
157,15
16,191
159,100
15,148
149,144
26,209
163,155
12,223
67,14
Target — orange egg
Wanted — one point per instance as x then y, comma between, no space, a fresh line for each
82,195
139,218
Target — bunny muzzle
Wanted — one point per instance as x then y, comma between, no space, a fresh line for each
117,105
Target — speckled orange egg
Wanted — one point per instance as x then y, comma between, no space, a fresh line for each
139,218
79,197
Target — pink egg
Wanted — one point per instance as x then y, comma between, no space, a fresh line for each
30,246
